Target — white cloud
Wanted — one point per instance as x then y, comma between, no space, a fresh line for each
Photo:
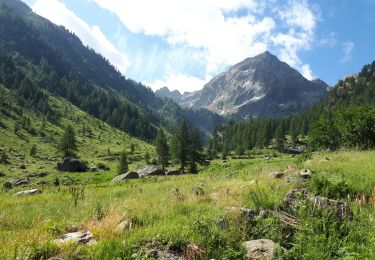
285,28
179,82
59,14
347,49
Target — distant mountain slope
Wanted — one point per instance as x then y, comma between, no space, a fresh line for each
256,87
54,59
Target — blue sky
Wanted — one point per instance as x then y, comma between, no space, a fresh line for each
182,44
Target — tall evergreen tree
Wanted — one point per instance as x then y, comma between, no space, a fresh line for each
162,148
280,138
195,150
180,145
68,143
123,163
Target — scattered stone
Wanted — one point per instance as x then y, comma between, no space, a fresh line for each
276,175
125,176
253,182
55,258
306,173
37,175
150,170
41,167
174,172
297,197
71,165
22,167
27,192
80,237
42,183
124,225
103,167
156,251
263,249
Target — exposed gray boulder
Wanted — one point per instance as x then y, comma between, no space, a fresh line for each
80,237
297,197
276,175
71,165
15,181
125,176
262,249
27,192
306,173
150,170
124,225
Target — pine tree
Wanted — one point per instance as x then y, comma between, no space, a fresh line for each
68,143
122,164
33,150
280,138
180,145
195,150
147,158
162,149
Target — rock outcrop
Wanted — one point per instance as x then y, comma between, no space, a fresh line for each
71,165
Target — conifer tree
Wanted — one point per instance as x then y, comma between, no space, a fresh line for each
123,166
68,143
280,138
195,150
162,149
180,145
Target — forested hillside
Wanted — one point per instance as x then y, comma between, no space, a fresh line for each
346,104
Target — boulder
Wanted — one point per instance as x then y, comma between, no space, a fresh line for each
150,170
262,249
174,172
125,176
276,175
298,197
37,175
71,165
124,225
306,173
80,237
15,181
103,167
27,192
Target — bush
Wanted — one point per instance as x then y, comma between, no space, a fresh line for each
322,186
33,151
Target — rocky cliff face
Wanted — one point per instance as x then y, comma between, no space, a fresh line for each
255,87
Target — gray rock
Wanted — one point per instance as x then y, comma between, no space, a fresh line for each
124,225
37,175
125,176
276,175
80,237
150,170
15,181
256,87
174,172
306,173
262,249
71,165
297,197
55,258
27,192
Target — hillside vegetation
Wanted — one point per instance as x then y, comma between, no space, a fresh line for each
186,213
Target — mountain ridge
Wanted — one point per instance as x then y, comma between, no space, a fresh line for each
255,87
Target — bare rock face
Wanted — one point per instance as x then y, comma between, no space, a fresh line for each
256,87
262,249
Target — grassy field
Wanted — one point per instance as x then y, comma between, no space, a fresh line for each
168,210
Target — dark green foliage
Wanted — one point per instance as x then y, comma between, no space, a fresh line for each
351,127
33,151
180,145
240,151
68,144
320,185
280,138
162,149
56,182
195,150
3,158
324,136
123,163
147,158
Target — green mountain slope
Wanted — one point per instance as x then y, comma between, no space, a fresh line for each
21,128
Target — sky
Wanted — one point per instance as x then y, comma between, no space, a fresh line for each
182,44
